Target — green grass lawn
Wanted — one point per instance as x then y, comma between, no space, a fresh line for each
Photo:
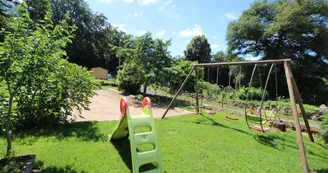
203,143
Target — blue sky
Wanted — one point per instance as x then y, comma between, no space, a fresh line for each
178,20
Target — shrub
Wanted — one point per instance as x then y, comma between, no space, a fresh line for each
324,129
69,86
128,78
209,89
253,93
37,85
179,72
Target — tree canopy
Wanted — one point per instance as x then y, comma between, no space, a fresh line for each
287,29
198,50
146,63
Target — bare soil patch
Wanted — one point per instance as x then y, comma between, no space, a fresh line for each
106,106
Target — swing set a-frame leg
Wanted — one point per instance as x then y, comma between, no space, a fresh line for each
289,77
300,103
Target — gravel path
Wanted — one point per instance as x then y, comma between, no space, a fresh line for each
105,106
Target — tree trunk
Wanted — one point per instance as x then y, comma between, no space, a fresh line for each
208,74
144,90
217,75
7,126
229,79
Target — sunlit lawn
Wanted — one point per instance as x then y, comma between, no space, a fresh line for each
203,143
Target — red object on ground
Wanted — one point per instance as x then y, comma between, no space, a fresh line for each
256,127
146,101
124,106
230,118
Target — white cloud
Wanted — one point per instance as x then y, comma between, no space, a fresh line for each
214,37
174,5
162,8
189,32
141,32
231,16
167,3
106,1
119,27
177,16
138,14
146,2
215,46
128,1
160,33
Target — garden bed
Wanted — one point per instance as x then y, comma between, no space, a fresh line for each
21,164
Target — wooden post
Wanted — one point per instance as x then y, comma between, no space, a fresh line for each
297,123
300,102
176,94
196,89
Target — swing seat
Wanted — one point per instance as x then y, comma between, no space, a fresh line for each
255,119
231,118
258,128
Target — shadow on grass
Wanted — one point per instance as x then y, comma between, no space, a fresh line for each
38,167
215,123
123,148
87,131
212,123
324,170
279,143
270,141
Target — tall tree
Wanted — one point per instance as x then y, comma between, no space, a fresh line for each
6,10
219,57
146,63
198,50
287,29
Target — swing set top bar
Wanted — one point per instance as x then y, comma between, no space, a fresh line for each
242,63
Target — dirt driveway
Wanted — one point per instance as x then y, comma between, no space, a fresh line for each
105,106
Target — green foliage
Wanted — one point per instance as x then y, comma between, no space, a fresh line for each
39,85
252,93
147,65
287,29
324,129
52,99
208,89
198,50
178,72
128,77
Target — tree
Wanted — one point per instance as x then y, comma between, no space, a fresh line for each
178,72
198,50
6,7
89,47
34,75
146,64
287,29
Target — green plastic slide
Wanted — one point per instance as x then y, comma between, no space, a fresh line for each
145,150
